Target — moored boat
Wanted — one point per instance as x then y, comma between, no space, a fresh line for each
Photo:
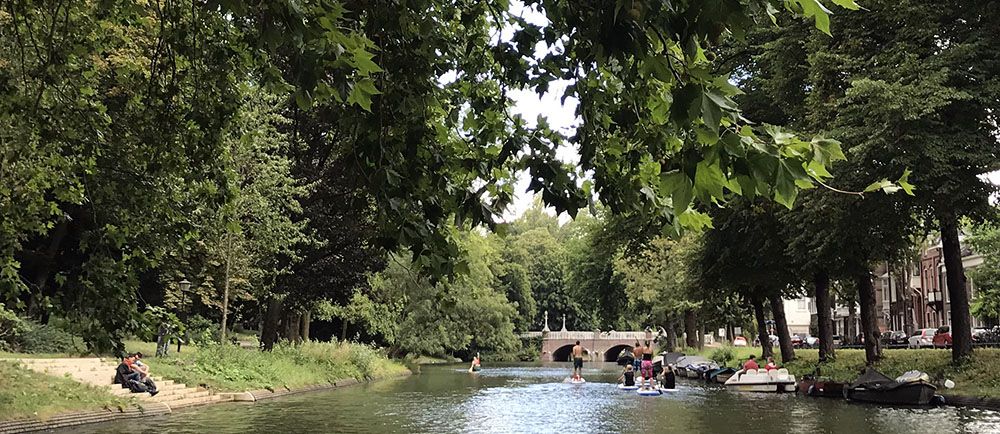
812,386
719,375
872,386
762,380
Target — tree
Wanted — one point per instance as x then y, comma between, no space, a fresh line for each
745,253
985,240
923,105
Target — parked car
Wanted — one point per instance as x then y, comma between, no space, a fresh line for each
981,335
894,338
811,342
942,337
740,341
772,338
797,341
921,338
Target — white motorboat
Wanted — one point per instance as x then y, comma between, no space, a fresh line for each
762,380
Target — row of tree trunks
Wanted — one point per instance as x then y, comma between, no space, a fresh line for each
781,326
824,315
869,319
762,335
281,323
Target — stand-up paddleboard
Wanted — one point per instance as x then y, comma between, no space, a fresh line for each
665,390
577,381
648,392
624,387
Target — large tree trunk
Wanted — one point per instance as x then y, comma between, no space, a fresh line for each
869,318
306,323
762,335
781,324
824,315
690,325
269,333
961,319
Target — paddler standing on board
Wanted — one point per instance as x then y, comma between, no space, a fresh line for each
577,361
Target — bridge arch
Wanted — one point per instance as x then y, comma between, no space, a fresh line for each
565,352
611,355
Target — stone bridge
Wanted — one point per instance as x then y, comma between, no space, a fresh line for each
597,346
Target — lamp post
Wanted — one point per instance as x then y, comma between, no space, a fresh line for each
184,285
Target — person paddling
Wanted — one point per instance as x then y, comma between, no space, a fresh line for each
475,364
628,377
647,366
577,360
636,356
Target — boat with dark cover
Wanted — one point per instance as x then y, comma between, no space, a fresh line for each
873,386
821,387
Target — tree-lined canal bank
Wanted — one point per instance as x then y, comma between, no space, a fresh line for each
533,398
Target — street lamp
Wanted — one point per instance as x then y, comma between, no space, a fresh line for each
184,285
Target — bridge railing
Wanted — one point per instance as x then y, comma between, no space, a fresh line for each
576,335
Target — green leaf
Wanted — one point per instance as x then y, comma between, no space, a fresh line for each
847,4
709,180
680,189
904,183
695,220
814,9
878,185
711,114
785,190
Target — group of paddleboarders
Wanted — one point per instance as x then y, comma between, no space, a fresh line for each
642,362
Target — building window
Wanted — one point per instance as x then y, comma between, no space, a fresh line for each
803,304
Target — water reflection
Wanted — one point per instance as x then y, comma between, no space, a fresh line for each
533,398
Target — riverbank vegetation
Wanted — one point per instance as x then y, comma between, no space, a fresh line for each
976,378
227,368
28,394
340,172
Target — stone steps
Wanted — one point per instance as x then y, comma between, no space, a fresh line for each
100,373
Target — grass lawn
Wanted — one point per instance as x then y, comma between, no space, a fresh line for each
28,394
227,368
978,377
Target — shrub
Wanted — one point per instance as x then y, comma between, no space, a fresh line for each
11,330
722,355
41,338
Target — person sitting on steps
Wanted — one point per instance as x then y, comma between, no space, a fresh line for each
137,378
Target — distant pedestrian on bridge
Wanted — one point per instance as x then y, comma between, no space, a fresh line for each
577,360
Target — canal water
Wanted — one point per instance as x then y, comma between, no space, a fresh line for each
535,398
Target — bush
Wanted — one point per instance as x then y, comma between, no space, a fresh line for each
20,335
11,330
41,338
201,330
722,355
